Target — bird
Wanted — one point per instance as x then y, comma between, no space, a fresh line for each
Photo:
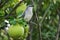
28,13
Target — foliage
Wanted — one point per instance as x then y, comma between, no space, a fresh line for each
47,9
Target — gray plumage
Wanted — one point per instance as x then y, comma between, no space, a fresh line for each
27,15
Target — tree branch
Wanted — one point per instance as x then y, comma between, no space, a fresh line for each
40,24
58,30
37,18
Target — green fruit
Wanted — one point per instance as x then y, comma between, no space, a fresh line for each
21,9
16,31
27,28
26,31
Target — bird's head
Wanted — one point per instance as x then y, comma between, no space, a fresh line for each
30,7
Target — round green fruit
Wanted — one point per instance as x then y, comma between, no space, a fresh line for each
16,31
27,28
21,9
26,31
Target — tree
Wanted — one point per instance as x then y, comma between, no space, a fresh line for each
45,18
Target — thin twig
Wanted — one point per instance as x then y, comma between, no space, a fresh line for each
39,24
33,23
39,28
45,13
